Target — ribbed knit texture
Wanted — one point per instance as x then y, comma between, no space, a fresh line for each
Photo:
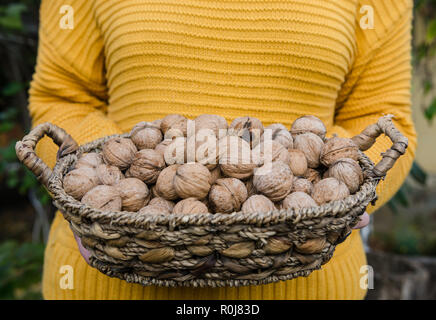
139,60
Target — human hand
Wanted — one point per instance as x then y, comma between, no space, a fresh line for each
364,221
83,251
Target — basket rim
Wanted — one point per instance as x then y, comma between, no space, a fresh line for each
68,205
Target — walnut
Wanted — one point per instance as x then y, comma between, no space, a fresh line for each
235,158
312,175
268,151
162,203
280,134
134,193
302,185
153,210
119,152
79,181
175,122
161,147
348,171
298,200
311,145
336,148
190,206
251,190
258,204
109,175
298,162
274,180
308,124
211,122
176,151
146,165
227,195
104,198
329,189
203,148
146,135
164,184
248,128
192,180
91,159
215,174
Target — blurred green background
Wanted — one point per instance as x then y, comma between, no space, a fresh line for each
401,237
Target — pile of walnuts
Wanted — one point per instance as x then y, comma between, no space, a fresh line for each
176,165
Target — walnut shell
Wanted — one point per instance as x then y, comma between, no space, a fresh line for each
146,135
235,158
215,174
251,190
273,180
348,171
146,166
134,193
190,206
308,123
298,162
203,148
329,189
311,145
336,148
312,175
302,185
119,152
249,129
268,151
175,122
192,180
176,151
227,195
164,184
280,134
162,203
153,210
79,181
161,147
109,175
91,159
215,123
298,200
104,198
257,204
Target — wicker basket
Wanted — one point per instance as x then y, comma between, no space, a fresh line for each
207,249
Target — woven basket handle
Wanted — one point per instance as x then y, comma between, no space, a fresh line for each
25,149
368,136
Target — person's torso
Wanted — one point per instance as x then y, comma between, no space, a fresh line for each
275,60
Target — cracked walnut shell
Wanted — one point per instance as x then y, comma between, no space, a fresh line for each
250,129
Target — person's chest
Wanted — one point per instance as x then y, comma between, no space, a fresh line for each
272,59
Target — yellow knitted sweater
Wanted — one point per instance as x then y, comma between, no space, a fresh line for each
139,60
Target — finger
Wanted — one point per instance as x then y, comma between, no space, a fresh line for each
83,251
364,221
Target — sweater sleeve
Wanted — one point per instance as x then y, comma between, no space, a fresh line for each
380,83
68,87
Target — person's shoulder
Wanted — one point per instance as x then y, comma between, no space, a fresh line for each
386,12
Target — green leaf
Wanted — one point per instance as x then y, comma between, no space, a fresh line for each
430,112
12,88
418,174
431,31
428,85
6,126
11,16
